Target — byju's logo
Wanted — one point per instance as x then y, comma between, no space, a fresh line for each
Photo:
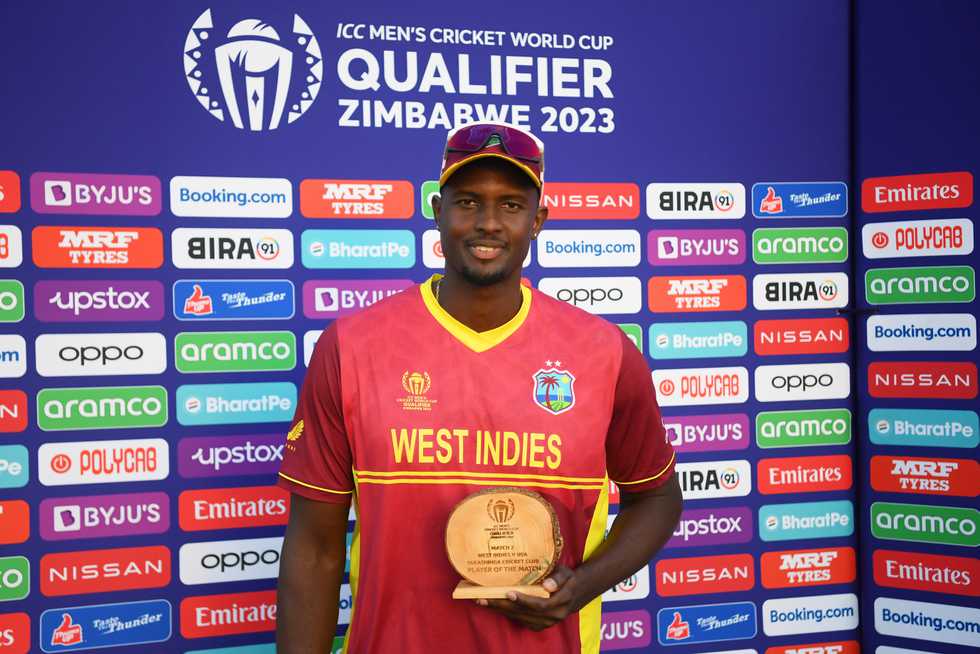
104,516
695,247
332,298
711,433
102,195
253,73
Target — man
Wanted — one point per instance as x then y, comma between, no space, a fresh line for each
468,381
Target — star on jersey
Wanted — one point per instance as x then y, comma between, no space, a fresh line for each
553,388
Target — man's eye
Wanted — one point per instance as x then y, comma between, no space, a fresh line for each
512,206
466,202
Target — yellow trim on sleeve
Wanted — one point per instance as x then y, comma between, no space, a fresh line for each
319,488
590,616
476,341
641,481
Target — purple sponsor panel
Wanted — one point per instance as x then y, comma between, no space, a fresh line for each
695,247
721,526
101,516
625,630
714,433
333,298
95,194
98,301
210,456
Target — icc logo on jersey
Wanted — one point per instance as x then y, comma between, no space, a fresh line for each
553,388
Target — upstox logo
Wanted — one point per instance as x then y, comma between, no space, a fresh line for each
923,285
358,248
802,428
116,407
235,351
219,404
925,523
696,340
924,428
800,245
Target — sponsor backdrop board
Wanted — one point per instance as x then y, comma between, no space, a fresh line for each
152,187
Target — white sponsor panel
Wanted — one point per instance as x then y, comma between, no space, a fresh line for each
885,649
806,615
696,201
598,295
699,386
944,623
917,238
345,604
800,291
432,256
802,382
310,338
11,246
232,248
706,480
922,332
588,248
634,587
231,197
13,356
230,560
80,355
103,462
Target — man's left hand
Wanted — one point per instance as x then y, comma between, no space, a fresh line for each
538,613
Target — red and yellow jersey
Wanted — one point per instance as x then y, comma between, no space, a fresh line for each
410,411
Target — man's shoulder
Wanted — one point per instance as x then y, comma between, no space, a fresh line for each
385,309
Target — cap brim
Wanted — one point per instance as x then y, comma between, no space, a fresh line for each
447,173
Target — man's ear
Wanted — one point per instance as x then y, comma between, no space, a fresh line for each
540,216
436,206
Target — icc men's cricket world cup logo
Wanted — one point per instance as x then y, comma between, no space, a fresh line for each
250,74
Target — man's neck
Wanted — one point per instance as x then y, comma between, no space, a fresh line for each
481,308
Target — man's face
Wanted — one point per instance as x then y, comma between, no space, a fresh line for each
487,214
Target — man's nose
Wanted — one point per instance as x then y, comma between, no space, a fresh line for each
488,219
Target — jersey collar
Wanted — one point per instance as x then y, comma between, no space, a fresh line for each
476,341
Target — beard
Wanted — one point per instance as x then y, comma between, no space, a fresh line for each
483,277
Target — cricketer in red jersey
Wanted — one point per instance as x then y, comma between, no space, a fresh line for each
468,381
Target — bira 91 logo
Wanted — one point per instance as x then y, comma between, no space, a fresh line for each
97,247
15,521
705,574
711,433
105,571
931,476
104,516
212,456
105,625
233,508
695,294
348,198
706,480
223,615
591,200
222,404
799,200
917,238
625,630
103,462
232,248
925,523
332,298
706,623
11,246
914,192
13,411
809,567
695,247
97,301
813,336
9,191
950,380
196,352
918,571
695,201
634,587
804,474
721,526
234,299
697,386
925,285
15,629
114,407
102,195
838,647
924,428
800,291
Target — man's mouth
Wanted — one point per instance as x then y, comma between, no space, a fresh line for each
485,251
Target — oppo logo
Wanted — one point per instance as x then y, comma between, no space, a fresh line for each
588,296
232,560
597,295
819,381
61,355
239,560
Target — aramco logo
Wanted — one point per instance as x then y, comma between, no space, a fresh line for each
251,75
501,510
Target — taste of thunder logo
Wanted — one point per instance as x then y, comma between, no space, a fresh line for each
253,73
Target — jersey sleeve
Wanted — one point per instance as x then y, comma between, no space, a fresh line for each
316,460
638,456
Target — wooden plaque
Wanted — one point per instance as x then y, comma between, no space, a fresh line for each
503,539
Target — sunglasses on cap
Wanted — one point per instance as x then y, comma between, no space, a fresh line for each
475,137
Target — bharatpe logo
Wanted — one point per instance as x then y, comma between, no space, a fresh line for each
116,407
697,340
803,428
253,73
104,625
800,245
721,526
234,351
927,621
924,428
799,200
920,285
706,623
234,299
104,516
927,332
14,466
806,520
924,523
712,433
695,201
231,560
97,301
358,248
210,456
225,404
917,238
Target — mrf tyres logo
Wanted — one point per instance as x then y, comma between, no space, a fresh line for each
253,73
909,474
671,294
97,247
809,567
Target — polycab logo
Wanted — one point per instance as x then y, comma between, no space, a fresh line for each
926,285
230,560
333,298
720,526
348,198
931,476
97,247
212,456
914,192
924,428
713,433
634,587
698,340
589,248
231,197
105,625
698,386
9,191
15,631
358,248
695,201
805,520
799,245
103,462
917,238
104,516
625,630
802,382
222,615
946,332
98,301
102,195
15,522
918,571
705,574
802,428
950,380
838,647
223,404
233,508
13,411
697,293
815,614
597,295
813,336
11,246
232,248
105,571
695,247
799,200
804,474
706,480
591,200
234,299
809,567
706,623
800,291
925,523
79,355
